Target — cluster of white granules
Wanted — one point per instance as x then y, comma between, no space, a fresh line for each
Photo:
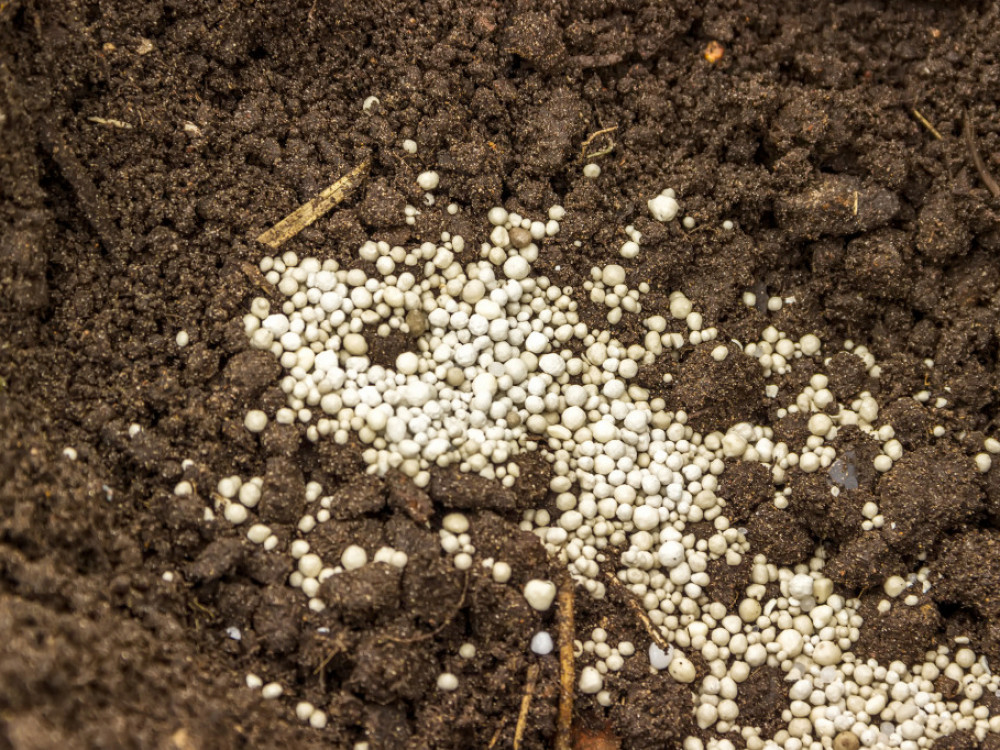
501,365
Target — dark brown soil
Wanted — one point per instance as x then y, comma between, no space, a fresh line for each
215,120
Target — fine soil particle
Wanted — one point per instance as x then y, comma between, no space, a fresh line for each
780,535
452,488
404,495
847,376
912,423
364,495
143,147
829,513
363,595
837,205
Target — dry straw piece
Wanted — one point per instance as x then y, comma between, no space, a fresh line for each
308,212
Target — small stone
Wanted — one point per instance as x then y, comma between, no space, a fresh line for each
520,237
447,682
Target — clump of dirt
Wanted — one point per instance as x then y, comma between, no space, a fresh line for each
718,394
904,630
744,485
961,578
928,492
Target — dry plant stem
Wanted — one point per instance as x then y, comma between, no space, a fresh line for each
522,716
112,123
496,735
977,159
567,675
308,212
647,624
254,275
927,124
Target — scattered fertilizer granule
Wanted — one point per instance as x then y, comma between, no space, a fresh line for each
502,366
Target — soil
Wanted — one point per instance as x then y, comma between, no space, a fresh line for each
143,145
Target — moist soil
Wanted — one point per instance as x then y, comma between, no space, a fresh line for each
143,145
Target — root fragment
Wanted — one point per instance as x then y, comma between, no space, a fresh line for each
529,693
567,672
970,141
308,212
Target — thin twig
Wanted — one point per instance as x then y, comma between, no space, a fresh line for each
496,735
636,608
567,675
596,133
308,212
522,716
927,124
970,142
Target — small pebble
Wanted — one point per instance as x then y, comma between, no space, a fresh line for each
658,658
354,557
318,719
